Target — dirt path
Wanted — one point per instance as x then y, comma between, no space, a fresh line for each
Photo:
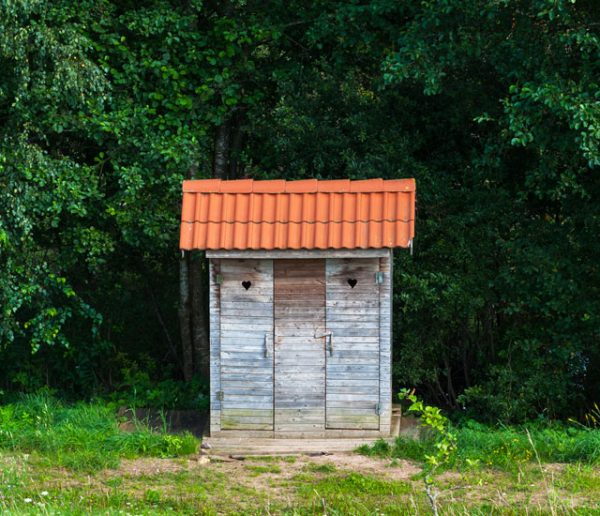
282,466
344,482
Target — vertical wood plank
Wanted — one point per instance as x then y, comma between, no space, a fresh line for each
215,348
353,369
299,309
385,342
246,333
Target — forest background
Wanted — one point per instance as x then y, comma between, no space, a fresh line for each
492,105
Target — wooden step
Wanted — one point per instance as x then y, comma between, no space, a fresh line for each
264,446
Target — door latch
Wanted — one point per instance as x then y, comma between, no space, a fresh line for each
329,341
379,278
220,395
268,351
378,409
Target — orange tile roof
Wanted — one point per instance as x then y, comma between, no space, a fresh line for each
305,214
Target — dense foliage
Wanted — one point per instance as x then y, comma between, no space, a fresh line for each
507,448
84,437
493,105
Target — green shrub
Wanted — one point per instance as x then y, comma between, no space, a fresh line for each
83,436
138,390
503,447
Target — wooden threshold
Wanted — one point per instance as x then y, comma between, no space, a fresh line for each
306,446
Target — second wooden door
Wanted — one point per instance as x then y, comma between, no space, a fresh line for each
299,345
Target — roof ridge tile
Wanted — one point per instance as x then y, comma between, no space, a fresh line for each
297,186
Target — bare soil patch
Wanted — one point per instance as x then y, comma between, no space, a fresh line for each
149,466
393,470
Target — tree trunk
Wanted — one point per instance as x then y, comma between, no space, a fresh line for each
197,286
161,321
193,315
450,387
221,152
200,338
236,138
185,317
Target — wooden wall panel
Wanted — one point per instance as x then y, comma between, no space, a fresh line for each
215,345
246,345
300,389
299,309
385,346
353,363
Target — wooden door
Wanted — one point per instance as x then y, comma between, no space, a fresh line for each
246,344
299,310
352,386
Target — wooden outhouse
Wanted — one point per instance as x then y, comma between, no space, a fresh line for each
300,301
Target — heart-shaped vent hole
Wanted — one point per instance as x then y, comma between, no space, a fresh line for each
246,284
352,282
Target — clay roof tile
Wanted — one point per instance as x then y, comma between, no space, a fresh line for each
304,214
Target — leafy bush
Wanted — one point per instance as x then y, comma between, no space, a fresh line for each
84,436
138,390
504,447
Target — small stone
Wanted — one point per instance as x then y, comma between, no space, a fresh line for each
205,446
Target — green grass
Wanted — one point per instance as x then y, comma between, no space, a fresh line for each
53,460
269,468
84,436
301,488
354,483
321,468
503,447
356,493
581,478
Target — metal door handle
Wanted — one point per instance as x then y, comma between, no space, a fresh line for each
267,345
329,337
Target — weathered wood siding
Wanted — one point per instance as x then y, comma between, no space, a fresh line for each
272,370
246,342
385,344
299,357
353,362
214,306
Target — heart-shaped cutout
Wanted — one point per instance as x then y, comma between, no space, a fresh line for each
352,282
246,284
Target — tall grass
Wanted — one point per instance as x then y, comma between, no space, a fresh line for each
504,447
83,436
